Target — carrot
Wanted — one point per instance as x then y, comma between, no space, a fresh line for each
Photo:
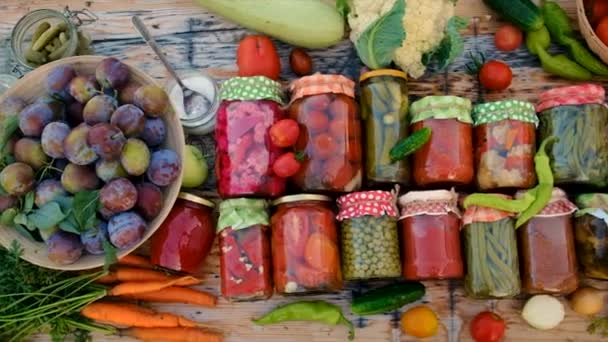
124,274
173,334
135,261
176,294
132,315
134,287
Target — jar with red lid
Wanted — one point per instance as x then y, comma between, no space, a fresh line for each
244,155
305,255
330,133
579,117
244,242
185,237
546,247
505,143
430,235
447,158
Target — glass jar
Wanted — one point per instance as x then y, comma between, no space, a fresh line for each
384,107
578,116
330,133
6,81
591,234
185,237
244,158
245,269
490,248
370,240
505,133
430,235
305,256
447,158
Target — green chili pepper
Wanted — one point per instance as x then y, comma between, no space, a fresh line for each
496,202
557,21
561,65
539,39
584,57
317,311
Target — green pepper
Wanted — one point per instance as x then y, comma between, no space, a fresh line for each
561,65
586,58
496,202
539,39
557,21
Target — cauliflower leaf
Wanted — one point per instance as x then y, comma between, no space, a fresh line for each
343,7
451,45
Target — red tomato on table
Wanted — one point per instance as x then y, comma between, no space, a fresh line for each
495,75
508,38
487,327
257,56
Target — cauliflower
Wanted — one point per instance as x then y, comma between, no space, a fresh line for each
364,12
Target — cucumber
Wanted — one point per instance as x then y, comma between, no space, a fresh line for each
411,144
523,13
387,298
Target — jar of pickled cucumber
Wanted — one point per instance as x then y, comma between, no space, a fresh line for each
370,239
591,234
384,107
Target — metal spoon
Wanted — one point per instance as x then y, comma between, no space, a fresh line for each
195,103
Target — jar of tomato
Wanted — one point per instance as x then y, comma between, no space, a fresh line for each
370,240
185,237
305,256
384,106
447,158
591,234
244,158
330,133
505,143
430,235
243,228
546,246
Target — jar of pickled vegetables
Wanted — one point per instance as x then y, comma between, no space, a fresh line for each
370,240
244,242
244,158
330,133
490,248
578,116
447,158
591,234
305,256
505,133
430,235
384,107
546,248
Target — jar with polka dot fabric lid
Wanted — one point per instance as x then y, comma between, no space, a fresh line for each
505,143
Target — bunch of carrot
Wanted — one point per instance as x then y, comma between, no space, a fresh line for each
135,278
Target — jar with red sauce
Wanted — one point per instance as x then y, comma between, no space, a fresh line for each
546,247
244,156
305,254
330,133
244,242
185,237
447,158
430,235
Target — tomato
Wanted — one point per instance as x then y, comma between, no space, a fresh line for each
337,128
602,30
300,62
286,165
487,327
508,38
599,11
495,75
284,133
317,102
257,56
324,146
338,172
317,121
321,253
354,151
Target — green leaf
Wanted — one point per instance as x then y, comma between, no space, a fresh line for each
28,203
109,252
7,217
21,219
343,8
84,209
379,41
450,47
69,225
8,127
47,217
65,202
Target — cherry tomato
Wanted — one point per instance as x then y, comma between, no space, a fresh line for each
495,75
324,146
286,165
257,56
487,327
599,11
338,172
317,121
284,133
300,62
602,30
508,38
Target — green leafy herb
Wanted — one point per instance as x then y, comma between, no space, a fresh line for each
343,8
8,127
379,41
599,325
47,216
28,202
450,47
83,215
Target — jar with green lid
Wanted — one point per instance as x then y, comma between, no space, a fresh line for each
245,268
370,238
505,143
591,234
447,158
384,107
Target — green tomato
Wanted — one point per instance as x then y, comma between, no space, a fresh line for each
196,169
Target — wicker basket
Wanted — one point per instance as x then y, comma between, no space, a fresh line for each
595,44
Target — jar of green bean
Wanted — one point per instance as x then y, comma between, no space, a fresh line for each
370,239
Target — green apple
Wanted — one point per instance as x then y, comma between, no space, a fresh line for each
195,167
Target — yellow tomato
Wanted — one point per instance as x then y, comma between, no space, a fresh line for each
419,322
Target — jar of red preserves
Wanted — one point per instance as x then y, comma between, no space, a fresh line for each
184,239
244,228
244,158
505,143
447,158
330,133
430,235
305,255
546,246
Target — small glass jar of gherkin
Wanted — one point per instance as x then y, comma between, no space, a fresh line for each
370,239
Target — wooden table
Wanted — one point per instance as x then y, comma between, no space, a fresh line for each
195,39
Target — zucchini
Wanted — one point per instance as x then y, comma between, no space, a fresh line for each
523,13
387,298
411,144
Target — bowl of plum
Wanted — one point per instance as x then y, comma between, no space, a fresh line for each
90,162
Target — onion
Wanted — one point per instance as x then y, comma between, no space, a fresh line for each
587,301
